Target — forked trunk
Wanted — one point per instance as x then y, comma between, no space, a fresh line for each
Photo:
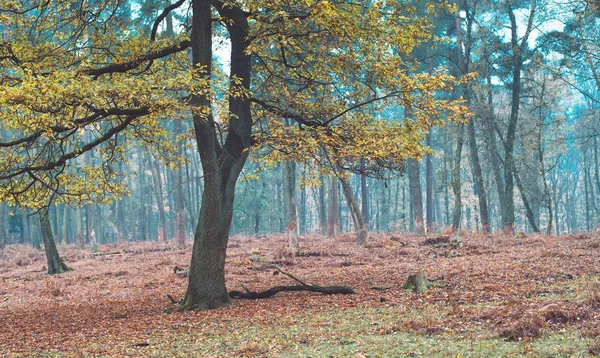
206,285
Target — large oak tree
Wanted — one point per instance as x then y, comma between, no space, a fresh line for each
75,78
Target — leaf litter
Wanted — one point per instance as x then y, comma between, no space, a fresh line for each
113,301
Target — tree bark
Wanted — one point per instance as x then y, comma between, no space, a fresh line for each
206,285
362,233
492,146
322,207
429,185
416,196
364,197
528,211
478,177
55,263
289,194
158,195
3,217
518,49
333,214
456,181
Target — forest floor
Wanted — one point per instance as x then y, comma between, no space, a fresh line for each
535,296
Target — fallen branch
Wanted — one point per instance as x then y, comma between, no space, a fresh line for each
96,254
326,290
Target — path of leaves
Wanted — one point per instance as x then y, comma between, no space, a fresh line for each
490,284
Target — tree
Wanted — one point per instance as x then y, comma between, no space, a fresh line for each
518,46
115,81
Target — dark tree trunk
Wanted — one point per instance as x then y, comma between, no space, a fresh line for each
518,49
206,285
55,263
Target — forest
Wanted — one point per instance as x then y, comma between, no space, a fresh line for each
391,178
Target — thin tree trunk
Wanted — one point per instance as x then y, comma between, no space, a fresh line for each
179,200
586,191
518,49
55,263
429,185
362,234
456,181
417,201
333,216
491,146
364,197
3,217
322,207
158,195
289,191
478,177
528,211
302,211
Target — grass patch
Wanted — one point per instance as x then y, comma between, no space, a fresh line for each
381,332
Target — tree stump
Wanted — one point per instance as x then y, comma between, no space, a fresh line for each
417,283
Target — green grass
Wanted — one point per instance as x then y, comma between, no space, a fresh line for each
382,332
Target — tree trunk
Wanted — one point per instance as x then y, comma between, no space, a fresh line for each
55,263
206,285
362,233
528,211
65,225
158,195
456,181
478,177
429,185
302,211
491,146
416,196
333,214
518,49
364,197
289,194
3,217
322,208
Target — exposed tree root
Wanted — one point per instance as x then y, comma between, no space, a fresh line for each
327,290
208,304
